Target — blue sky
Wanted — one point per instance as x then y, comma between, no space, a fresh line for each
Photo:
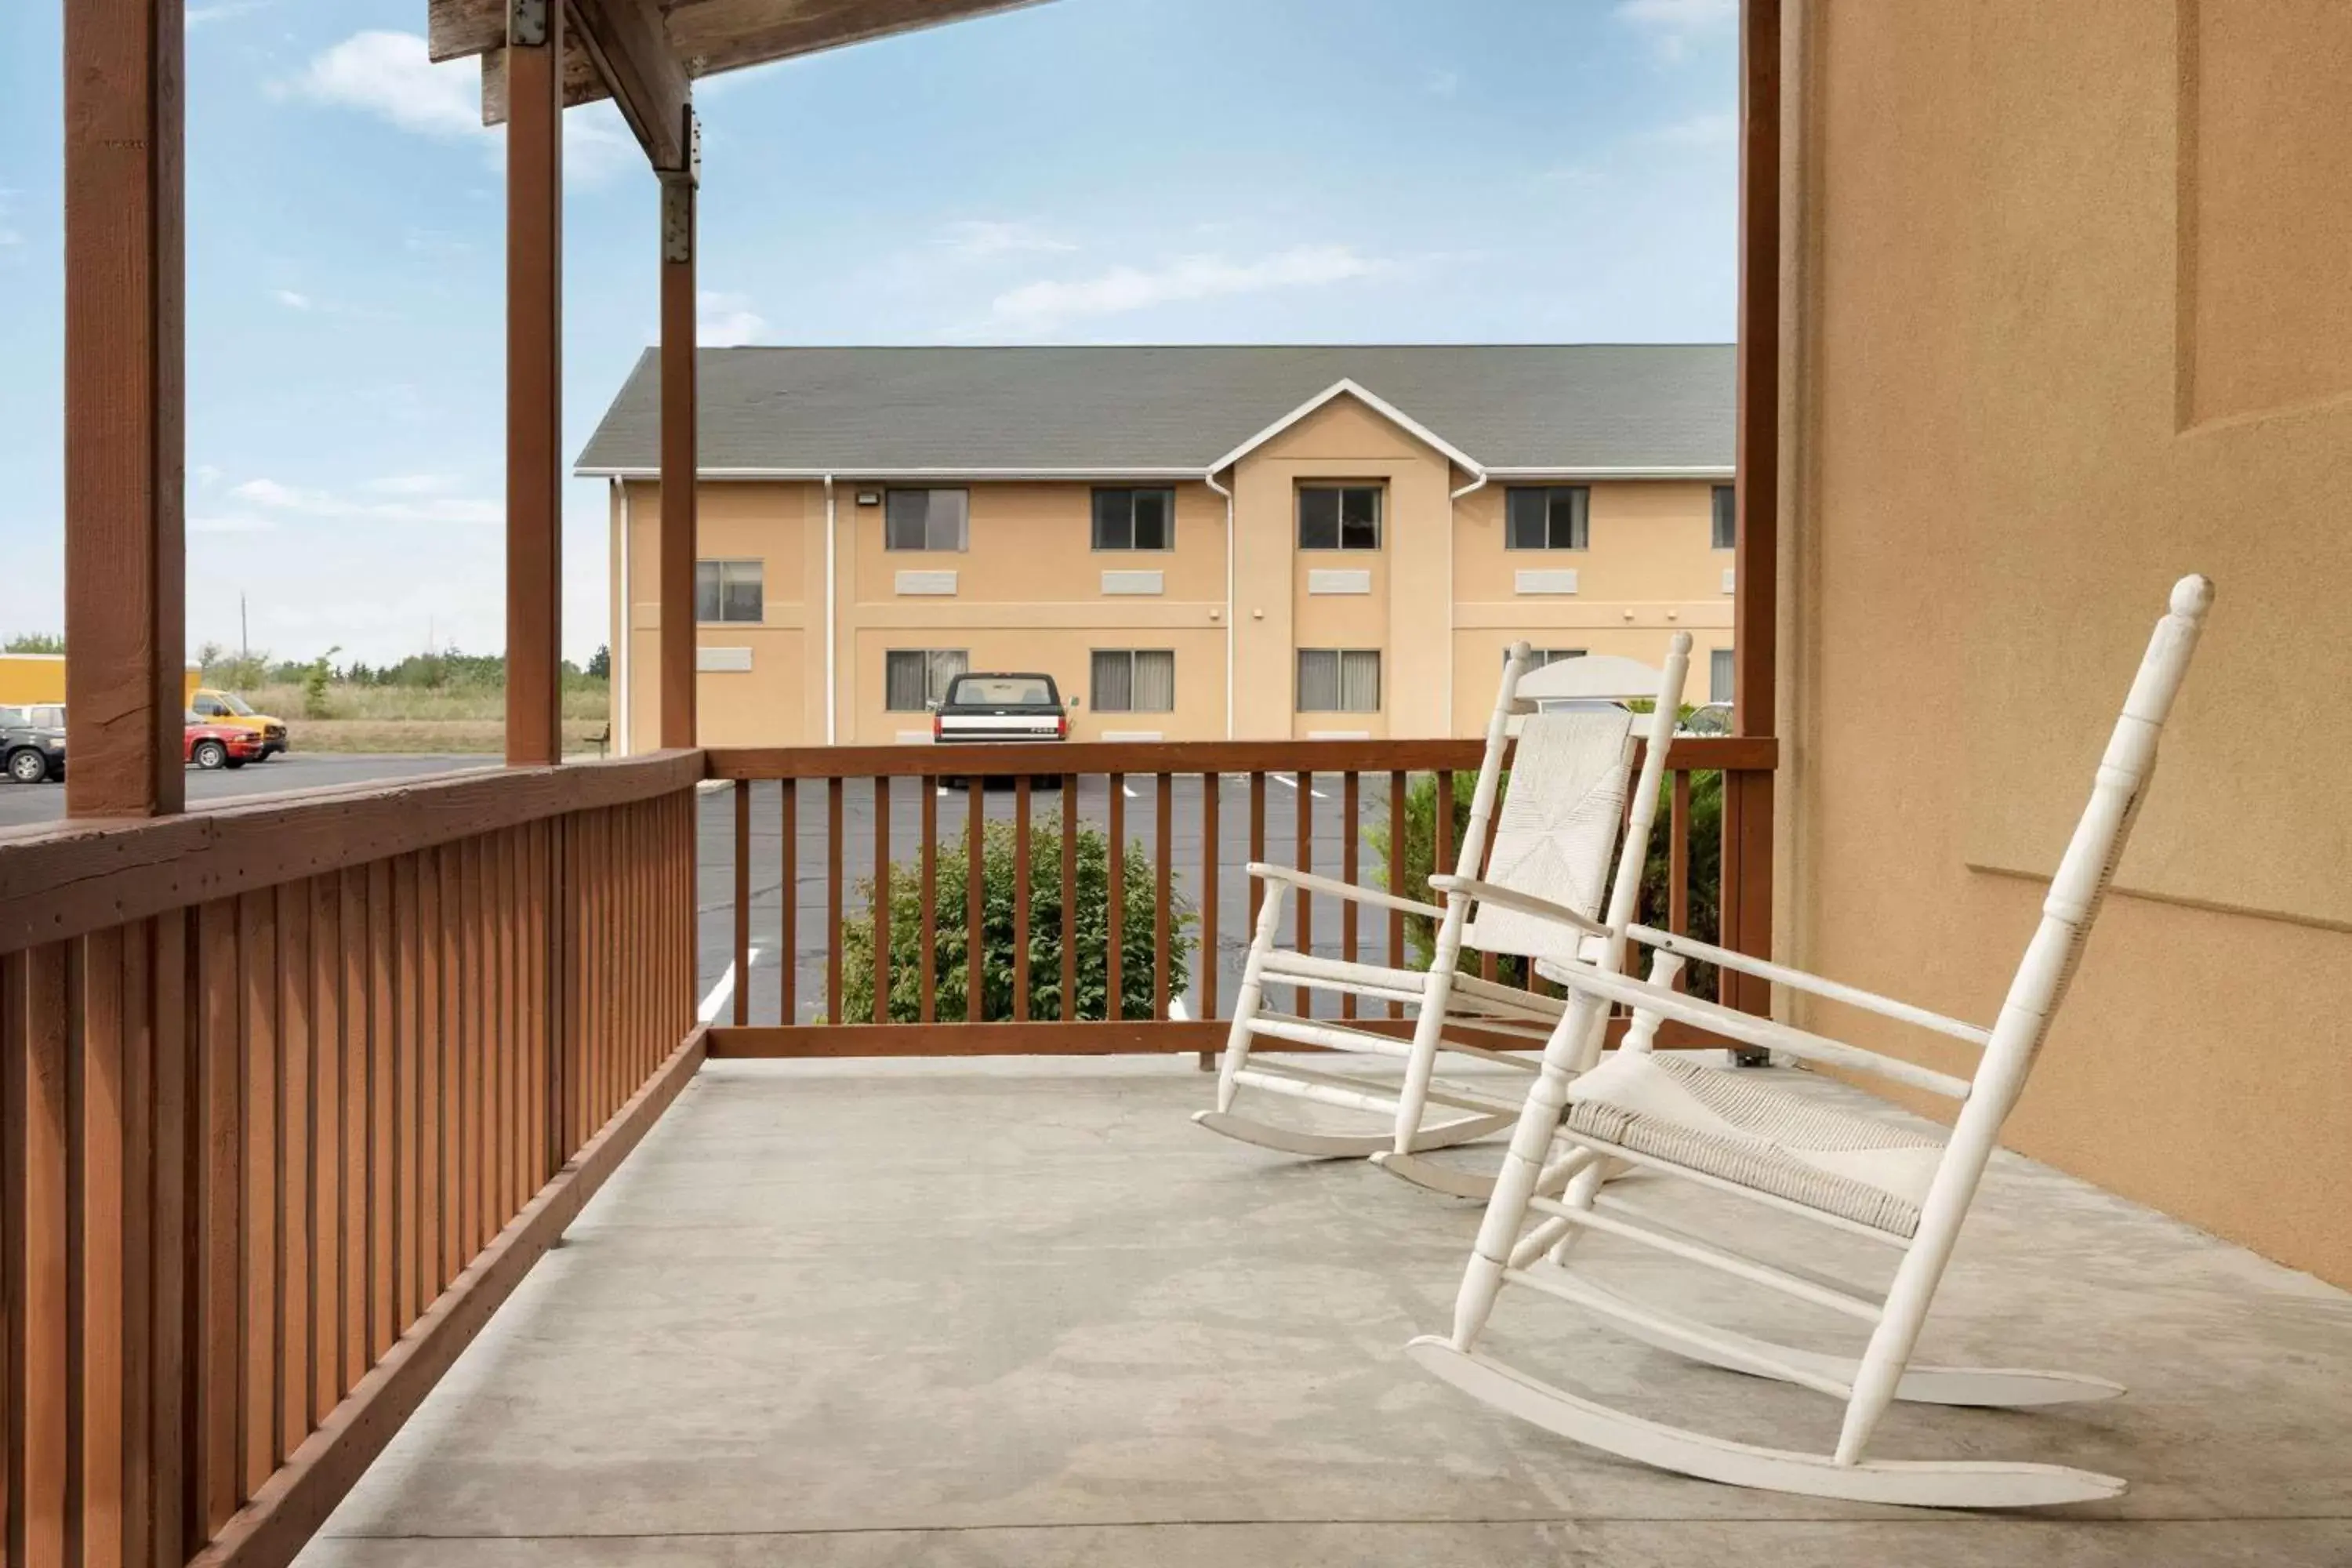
1128,171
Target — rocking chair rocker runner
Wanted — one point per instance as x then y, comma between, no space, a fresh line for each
1552,852
1799,1155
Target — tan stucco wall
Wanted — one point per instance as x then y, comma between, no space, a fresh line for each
2073,319
1029,594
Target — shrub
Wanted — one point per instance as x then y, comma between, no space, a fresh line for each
1705,866
949,949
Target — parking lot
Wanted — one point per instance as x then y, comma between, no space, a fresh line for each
28,806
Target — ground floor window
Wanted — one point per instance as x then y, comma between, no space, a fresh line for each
1540,656
914,678
1135,681
1339,681
1719,676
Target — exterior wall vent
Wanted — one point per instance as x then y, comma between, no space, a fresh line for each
1340,580
927,583
1555,581
1133,583
723,660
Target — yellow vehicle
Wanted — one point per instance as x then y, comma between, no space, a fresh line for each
227,707
30,677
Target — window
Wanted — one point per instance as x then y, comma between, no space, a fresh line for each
1135,519
1003,691
1135,681
1540,656
1339,517
729,591
1719,676
1547,517
1339,681
925,519
1727,518
913,678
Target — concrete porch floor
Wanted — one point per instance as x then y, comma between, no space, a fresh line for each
1023,1312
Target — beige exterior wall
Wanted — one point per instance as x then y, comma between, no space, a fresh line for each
1440,597
2072,318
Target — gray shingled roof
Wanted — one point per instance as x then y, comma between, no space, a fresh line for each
852,410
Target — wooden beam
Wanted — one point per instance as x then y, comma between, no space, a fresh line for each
125,279
535,397
638,68
1148,757
679,482
1747,913
289,1508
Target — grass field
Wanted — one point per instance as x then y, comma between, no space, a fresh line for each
468,719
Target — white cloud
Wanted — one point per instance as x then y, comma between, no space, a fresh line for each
981,238
207,476
722,321
220,11
388,75
1716,129
1674,26
1049,303
236,523
413,484
290,299
327,506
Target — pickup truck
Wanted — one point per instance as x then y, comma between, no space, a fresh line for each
33,742
1001,709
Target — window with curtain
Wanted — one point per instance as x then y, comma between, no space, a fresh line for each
926,520
1719,676
1727,518
913,678
1540,656
1135,519
1134,680
1339,517
1339,681
1547,517
728,590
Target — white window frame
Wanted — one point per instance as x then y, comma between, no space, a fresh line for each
930,545
1722,675
1130,654
1094,519
1580,520
727,572
937,674
1339,658
1723,519
1341,488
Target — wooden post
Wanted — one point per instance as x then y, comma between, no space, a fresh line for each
677,445
125,453
1747,912
535,379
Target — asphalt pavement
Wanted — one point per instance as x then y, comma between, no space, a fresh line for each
26,805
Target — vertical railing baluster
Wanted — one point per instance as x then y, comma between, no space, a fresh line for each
743,1007
881,910
1348,828
1257,889
1303,903
1397,783
1209,857
788,954
1021,899
1678,828
975,900
1069,898
1162,925
1115,953
928,983
833,900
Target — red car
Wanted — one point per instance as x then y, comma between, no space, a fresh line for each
208,745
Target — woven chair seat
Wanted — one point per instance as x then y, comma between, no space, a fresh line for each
1728,1125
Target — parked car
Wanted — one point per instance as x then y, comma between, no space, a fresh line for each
209,746
216,706
1002,709
33,742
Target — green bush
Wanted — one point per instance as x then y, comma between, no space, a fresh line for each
1705,866
951,948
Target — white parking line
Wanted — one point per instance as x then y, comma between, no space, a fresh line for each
720,993
1128,790
1290,780
1176,1008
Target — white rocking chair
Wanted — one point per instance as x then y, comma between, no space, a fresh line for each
1552,849
1857,1175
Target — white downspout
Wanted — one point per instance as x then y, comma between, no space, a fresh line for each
1453,541
621,665
1211,480
832,599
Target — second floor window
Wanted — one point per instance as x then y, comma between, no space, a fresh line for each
1540,656
1720,676
1726,519
1339,517
1135,519
729,591
1547,517
1339,681
926,520
914,678
1135,681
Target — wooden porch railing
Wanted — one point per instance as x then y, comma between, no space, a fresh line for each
1224,787
294,1093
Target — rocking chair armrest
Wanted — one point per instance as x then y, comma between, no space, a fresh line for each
1306,881
1811,984
1522,903
1748,1028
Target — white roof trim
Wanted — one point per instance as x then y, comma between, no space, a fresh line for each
1379,406
852,475
1638,472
